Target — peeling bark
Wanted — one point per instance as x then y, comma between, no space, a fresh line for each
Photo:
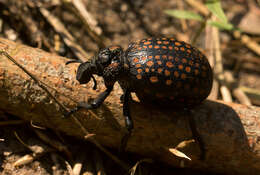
230,131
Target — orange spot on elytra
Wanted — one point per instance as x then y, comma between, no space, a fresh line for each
184,60
177,43
176,74
150,56
147,42
140,48
145,47
188,51
144,58
168,82
172,39
152,69
139,70
164,47
183,76
157,57
159,62
146,69
170,57
176,48
135,60
187,45
167,73
196,71
164,56
187,69
139,77
156,47
164,38
159,42
180,67
149,63
153,79
138,65
150,46
170,47
169,64
182,49
204,67
159,70
166,42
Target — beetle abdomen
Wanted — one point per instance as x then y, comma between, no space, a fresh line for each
165,70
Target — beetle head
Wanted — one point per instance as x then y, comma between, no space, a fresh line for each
97,64
107,56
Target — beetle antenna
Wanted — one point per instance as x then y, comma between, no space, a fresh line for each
73,61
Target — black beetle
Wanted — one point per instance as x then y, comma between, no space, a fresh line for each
161,71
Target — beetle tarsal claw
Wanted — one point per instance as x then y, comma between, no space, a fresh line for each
95,82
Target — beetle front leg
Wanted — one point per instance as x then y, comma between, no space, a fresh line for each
94,104
128,120
195,133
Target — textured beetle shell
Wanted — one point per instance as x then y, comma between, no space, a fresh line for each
168,72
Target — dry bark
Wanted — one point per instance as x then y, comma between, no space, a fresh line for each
230,131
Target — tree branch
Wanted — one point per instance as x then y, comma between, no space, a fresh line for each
230,131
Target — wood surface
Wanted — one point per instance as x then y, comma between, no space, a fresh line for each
230,131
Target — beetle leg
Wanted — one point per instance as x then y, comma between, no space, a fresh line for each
195,133
128,120
94,104
123,96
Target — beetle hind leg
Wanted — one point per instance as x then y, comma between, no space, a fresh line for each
128,120
195,133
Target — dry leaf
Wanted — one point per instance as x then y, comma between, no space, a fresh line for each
178,153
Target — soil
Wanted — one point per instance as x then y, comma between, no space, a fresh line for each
121,22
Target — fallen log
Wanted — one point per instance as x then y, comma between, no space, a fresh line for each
230,131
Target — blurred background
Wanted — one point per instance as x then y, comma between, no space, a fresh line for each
227,32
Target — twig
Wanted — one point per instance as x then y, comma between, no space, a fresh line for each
91,25
64,33
253,94
247,41
12,122
121,163
79,163
69,168
34,78
99,163
199,6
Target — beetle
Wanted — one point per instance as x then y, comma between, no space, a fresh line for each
161,71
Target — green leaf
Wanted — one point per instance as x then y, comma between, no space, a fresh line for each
221,25
214,7
184,14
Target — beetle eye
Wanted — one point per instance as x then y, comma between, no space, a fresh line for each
104,56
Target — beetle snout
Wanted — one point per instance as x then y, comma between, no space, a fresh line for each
84,73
